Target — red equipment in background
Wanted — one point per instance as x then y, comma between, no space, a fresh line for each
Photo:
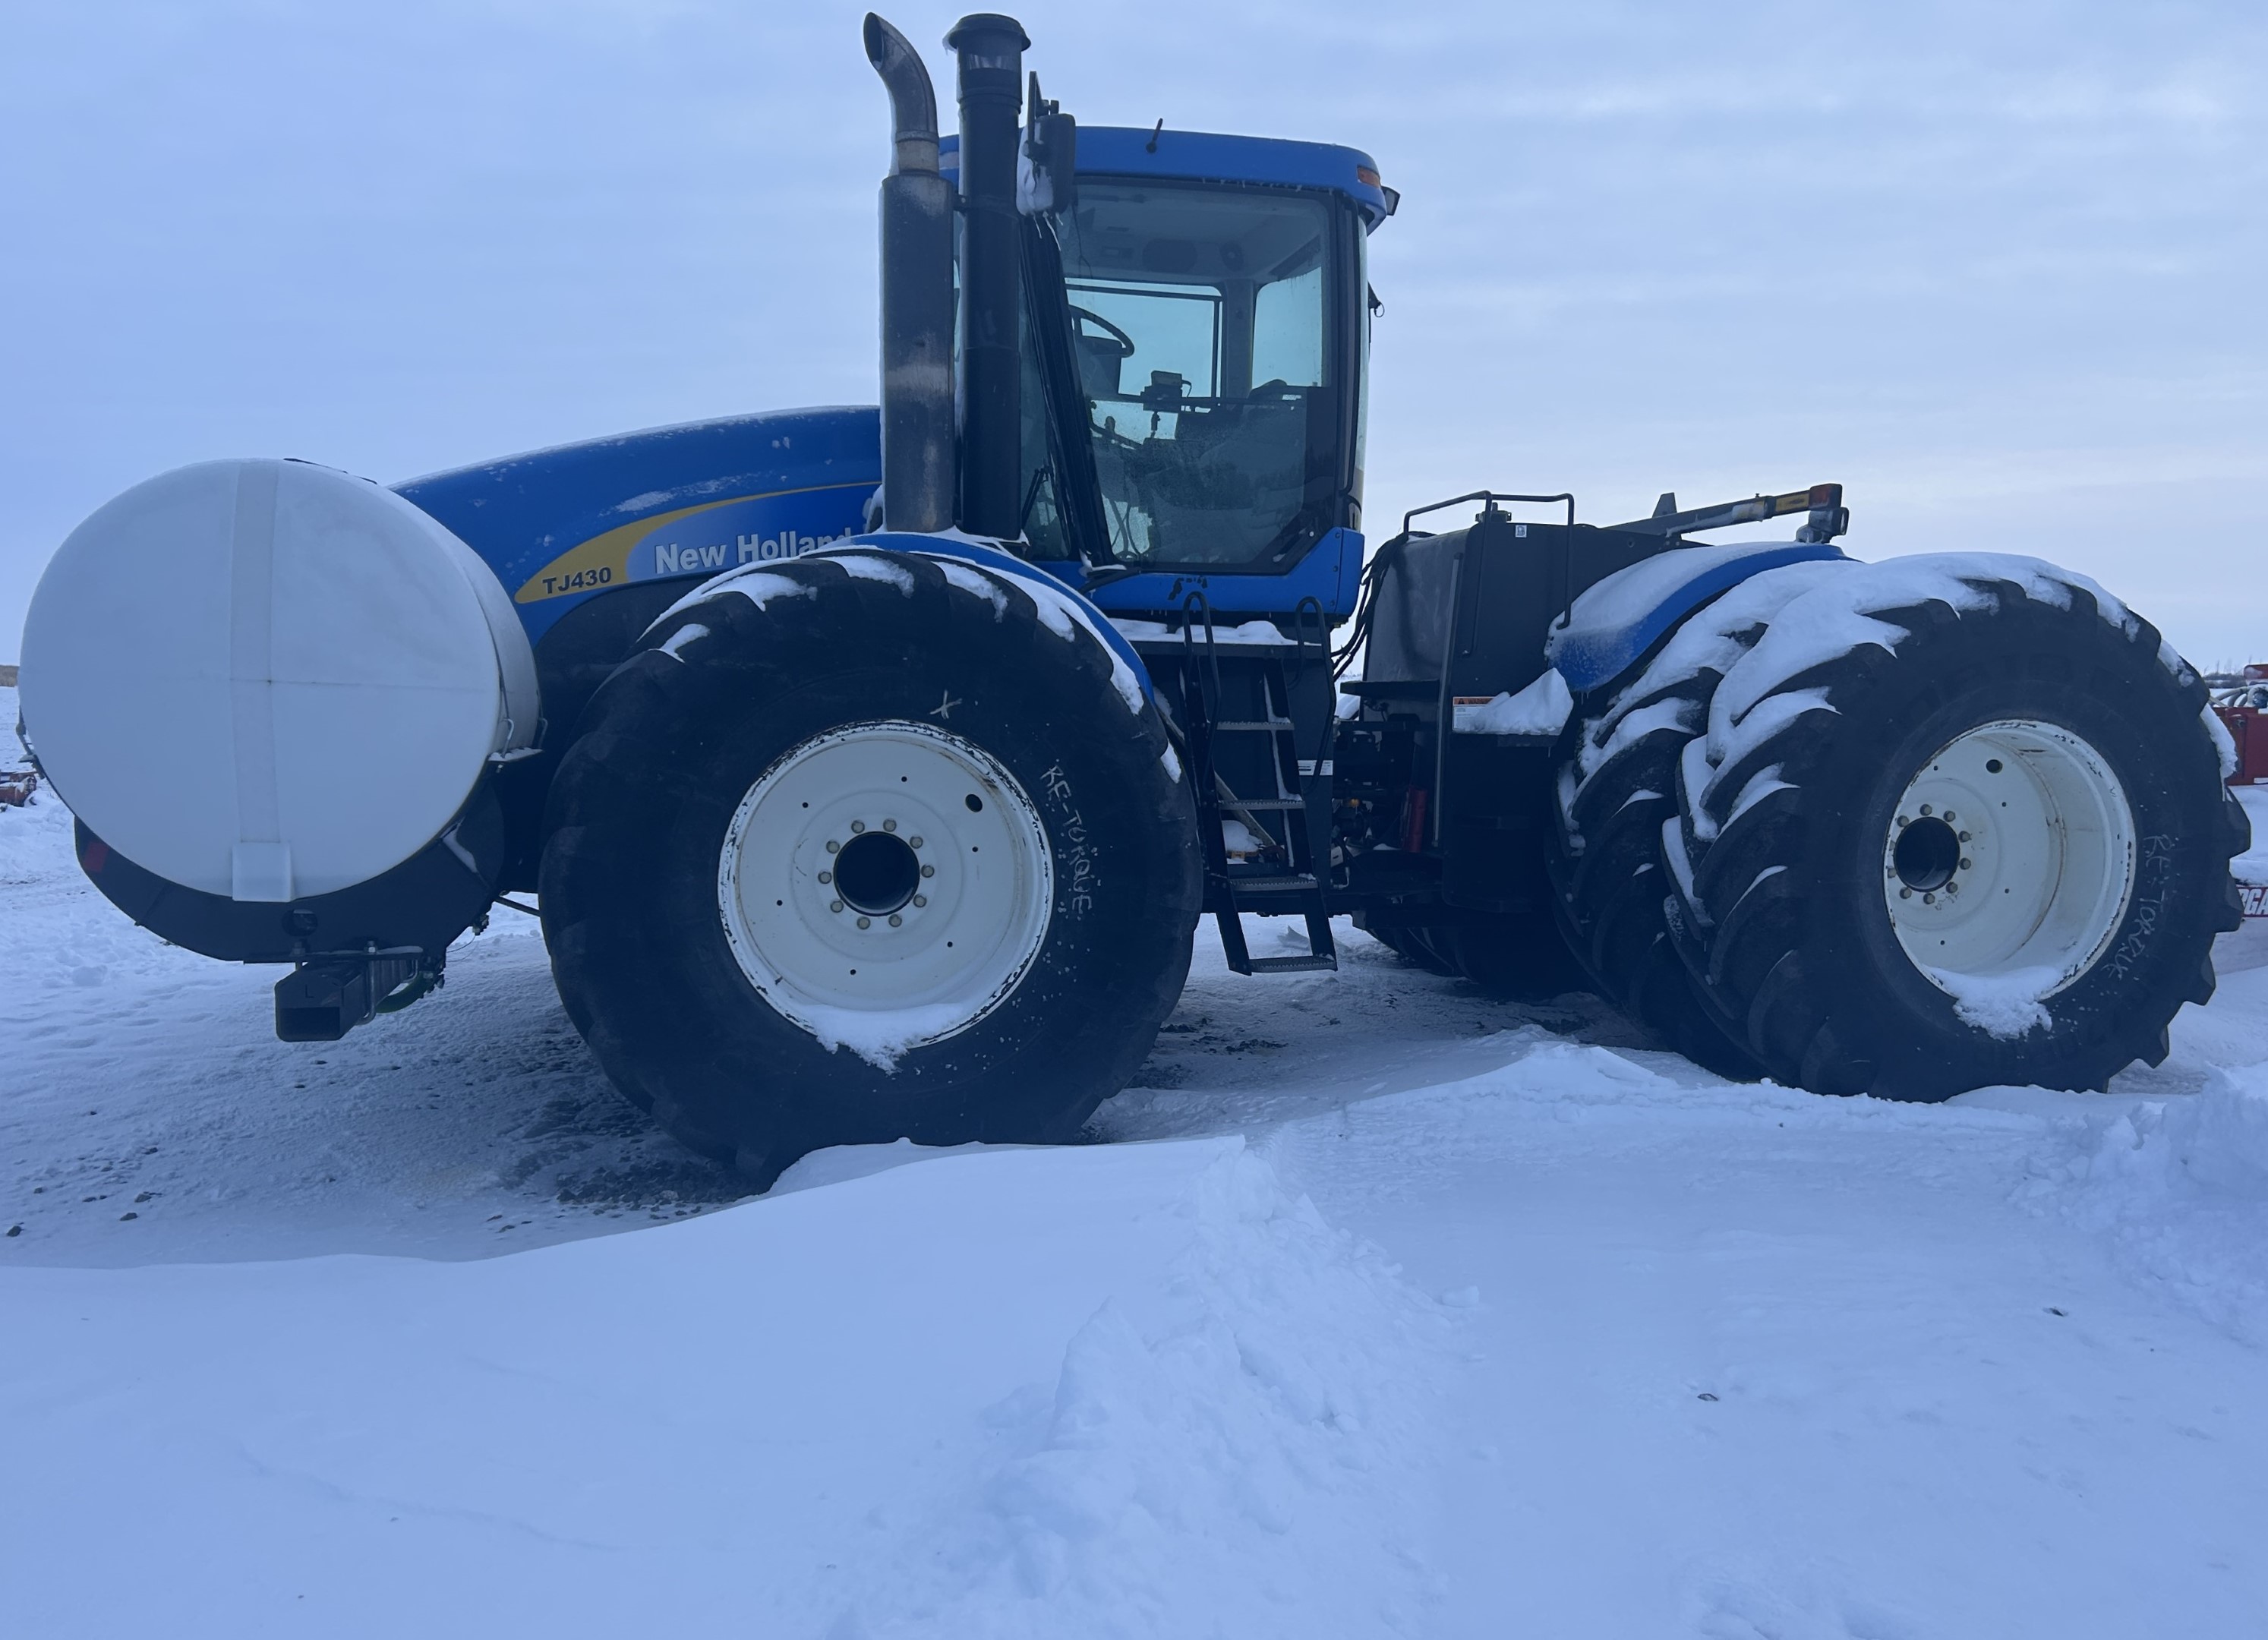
2240,700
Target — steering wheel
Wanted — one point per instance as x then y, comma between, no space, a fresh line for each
1125,342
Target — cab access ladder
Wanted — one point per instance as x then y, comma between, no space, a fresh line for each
1262,712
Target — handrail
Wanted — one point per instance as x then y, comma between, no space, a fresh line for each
1492,497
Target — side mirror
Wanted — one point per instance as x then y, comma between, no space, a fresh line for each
1046,167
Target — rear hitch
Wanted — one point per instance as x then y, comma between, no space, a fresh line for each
324,997
1823,503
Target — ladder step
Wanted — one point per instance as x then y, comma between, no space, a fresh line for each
1257,804
1295,964
1276,725
1296,884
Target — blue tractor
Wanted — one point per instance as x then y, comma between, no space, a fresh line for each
875,767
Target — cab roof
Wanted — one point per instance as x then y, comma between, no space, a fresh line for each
1211,156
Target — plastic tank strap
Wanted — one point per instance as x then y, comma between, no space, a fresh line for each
261,865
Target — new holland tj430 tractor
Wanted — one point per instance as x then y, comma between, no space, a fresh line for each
873,769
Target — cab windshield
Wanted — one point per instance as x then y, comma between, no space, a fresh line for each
1206,359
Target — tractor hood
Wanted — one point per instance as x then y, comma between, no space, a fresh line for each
557,526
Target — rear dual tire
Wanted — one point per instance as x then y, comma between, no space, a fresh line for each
1855,937
1615,789
1608,879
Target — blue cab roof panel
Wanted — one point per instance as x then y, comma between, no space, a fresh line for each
1209,156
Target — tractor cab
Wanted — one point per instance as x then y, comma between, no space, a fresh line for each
1193,343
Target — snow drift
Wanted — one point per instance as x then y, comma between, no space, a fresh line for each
1133,1389
2181,1187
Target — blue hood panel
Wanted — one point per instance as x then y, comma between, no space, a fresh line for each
560,525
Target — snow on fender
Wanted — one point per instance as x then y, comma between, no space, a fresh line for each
268,680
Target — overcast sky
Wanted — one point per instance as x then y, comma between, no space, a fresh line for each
1997,268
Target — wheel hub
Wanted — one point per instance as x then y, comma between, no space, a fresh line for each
2011,852
1926,853
876,872
886,881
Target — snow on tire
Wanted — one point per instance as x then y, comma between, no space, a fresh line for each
1956,821
868,846
1615,785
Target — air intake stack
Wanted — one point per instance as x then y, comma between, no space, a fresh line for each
990,422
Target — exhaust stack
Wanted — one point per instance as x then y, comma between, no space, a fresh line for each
916,243
990,424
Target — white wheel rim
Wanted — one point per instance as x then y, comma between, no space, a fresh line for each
886,882
2010,859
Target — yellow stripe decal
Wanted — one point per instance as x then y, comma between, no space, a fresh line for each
604,560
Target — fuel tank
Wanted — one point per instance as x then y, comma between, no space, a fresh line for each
296,713
261,686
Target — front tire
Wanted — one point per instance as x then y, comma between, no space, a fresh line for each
864,848
1955,823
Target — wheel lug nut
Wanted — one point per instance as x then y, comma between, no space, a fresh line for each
827,877
866,921
1901,820
1964,837
1927,900
1924,809
1905,893
833,846
1964,863
914,843
889,825
895,919
920,900
834,904
861,824
929,870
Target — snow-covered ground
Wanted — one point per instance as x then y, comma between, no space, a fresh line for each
1387,1310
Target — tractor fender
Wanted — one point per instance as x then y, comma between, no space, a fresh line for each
988,556
1058,601
1615,622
